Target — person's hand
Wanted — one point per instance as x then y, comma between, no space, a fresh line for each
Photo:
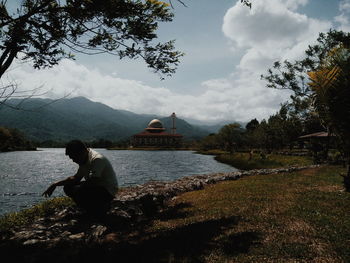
49,191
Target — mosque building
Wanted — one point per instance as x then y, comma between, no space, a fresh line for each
156,136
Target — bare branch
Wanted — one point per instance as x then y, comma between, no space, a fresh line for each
10,91
181,2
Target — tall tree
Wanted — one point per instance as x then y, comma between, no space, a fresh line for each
293,75
331,84
45,31
230,137
252,125
327,65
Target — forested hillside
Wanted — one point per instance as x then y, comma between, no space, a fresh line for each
66,119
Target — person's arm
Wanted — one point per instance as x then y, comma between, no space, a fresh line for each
69,180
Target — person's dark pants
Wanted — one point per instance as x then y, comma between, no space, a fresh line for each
95,200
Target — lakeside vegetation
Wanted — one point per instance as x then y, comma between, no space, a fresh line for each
14,140
241,161
249,161
152,148
13,220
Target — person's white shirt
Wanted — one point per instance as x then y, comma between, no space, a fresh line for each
99,171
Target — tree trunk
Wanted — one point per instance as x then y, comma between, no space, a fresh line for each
251,152
6,60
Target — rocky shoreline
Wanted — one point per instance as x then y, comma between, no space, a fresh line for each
130,211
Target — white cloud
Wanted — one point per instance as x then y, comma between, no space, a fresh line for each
294,4
344,6
343,18
272,30
72,78
218,101
268,24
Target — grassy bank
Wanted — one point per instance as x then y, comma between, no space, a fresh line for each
292,217
148,149
241,160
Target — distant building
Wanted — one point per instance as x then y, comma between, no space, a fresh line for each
318,141
156,136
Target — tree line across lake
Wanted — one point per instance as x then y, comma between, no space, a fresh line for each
14,140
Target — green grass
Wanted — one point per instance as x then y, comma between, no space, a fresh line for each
149,149
213,152
13,220
241,161
288,217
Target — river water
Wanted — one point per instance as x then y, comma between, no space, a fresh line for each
24,175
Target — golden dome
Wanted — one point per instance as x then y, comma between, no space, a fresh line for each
155,125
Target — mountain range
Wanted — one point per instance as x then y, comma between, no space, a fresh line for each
66,119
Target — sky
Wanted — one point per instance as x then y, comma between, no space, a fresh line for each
227,47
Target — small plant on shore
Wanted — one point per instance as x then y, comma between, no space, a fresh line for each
243,161
13,220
